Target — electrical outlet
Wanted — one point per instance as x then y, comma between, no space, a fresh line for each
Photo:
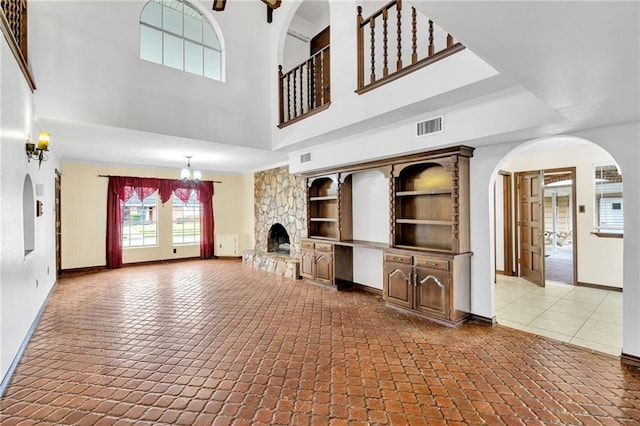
175,250
582,208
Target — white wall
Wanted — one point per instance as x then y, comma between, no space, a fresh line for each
593,251
105,81
516,109
370,223
25,281
84,200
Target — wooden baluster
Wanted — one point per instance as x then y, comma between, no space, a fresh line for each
309,96
449,40
280,94
385,68
431,48
301,72
399,8
288,96
360,36
321,87
414,37
372,25
295,101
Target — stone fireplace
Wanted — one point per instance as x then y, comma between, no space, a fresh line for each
280,199
278,240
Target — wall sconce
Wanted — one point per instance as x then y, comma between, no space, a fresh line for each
39,151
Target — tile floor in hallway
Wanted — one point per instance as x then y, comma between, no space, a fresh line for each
213,342
584,316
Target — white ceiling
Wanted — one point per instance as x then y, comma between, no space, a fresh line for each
580,58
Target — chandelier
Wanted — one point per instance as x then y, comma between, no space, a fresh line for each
188,174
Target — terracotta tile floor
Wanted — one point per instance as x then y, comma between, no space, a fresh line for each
213,342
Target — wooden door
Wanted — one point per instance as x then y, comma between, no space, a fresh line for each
321,68
58,187
307,264
531,226
432,292
324,267
398,284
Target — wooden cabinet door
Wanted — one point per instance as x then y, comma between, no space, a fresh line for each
398,285
432,291
324,267
307,264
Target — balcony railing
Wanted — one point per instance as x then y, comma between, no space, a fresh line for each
13,21
305,89
414,43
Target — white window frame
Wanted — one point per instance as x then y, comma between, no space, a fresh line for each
616,197
145,223
196,223
206,20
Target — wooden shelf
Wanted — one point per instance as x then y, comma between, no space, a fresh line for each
363,244
414,248
324,198
323,219
425,192
319,237
424,222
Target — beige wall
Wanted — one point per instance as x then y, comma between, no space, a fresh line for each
84,200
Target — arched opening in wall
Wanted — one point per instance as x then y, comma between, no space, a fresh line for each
305,75
28,215
278,240
558,242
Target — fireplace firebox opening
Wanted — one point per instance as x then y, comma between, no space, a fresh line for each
278,240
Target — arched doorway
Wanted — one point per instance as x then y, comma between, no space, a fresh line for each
585,307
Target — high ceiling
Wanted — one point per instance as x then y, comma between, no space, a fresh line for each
579,58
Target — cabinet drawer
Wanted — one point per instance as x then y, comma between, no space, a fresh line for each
306,245
429,262
324,247
400,258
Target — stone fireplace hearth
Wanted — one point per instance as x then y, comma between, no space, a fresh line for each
280,199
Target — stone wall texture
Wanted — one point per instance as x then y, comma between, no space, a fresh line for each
280,198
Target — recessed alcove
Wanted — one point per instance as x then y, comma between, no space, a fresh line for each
28,215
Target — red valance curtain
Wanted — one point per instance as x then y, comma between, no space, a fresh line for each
122,188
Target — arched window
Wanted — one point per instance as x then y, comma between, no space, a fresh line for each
176,34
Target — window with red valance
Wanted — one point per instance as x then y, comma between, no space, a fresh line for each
122,188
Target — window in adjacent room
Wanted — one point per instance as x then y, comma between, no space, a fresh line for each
186,220
176,34
609,204
139,222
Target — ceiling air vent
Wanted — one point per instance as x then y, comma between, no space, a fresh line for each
305,158
430,127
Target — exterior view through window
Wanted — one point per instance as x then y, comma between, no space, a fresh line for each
609,205
139,222
186,220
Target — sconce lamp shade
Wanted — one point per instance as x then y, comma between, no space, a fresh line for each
43,140
218,5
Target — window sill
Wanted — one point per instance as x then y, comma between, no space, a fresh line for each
601,234
140,247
